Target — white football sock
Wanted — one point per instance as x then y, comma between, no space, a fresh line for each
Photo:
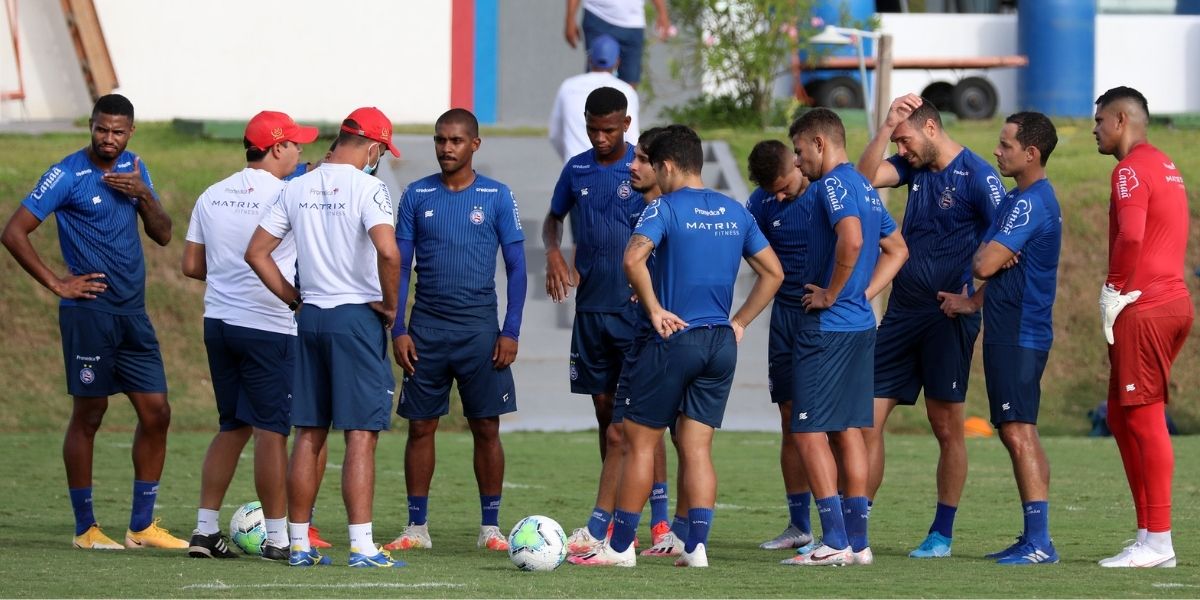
361,540
277,532
1160,542
208,521
298,532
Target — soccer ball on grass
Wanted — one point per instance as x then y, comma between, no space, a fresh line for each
537,543
248,529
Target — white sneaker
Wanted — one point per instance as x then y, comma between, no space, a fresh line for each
669,545
1129,546
413,536
821,556
605,556
582,542
491,538
695,558
1141,556
791,537
863,557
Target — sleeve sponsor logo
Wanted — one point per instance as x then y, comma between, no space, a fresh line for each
1127,181
835,193
516,209
383,199
49,180
651,212
995,189
1019,216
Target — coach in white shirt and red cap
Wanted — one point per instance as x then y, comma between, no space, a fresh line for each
349,267
568,129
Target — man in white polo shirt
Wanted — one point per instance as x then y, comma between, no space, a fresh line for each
249,334
568,127
341,217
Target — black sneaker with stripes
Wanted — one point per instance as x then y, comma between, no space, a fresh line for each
209,546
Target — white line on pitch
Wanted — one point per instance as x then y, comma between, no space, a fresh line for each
221,585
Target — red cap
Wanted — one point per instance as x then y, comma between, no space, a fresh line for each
373,125
268,128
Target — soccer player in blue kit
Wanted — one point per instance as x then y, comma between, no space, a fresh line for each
595,190
1017,324
783,215
698,238
853,252
109,344
953,195
454,222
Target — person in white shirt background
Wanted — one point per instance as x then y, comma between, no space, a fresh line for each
568,130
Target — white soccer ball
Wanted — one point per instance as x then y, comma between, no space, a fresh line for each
537,543
248,529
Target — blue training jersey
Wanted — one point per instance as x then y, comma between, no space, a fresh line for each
1018,301
603,207
97,229
784,224
947,214
700,237
455,238
842,193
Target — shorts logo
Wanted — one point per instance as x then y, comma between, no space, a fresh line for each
477,215
802,416
624,191
770,384
87,375
504,398
1005,406
1131,388
574,372
947,200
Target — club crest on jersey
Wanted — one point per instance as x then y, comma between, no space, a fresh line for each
947,199
87,375
477,215
624,191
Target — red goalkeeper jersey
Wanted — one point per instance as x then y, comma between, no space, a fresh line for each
1148,227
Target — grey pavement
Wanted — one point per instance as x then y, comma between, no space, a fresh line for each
530,167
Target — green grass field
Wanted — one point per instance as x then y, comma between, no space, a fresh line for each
554,474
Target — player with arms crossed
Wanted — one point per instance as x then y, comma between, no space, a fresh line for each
782,213
109,344
1017,324
249,334
853,252
698,238
454,222
1147,313
341,218
952,198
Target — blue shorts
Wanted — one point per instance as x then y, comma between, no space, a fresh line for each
461,356
344,375
832,386
599,343
929,350
253,372
623,388
785,326
1013,376
630,39
106,354
691,373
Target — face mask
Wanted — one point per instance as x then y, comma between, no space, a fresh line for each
367,168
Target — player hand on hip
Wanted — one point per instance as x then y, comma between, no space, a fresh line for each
406,353
1112,302
957,304
130,184
816,298
504,353
80,286
665,323
739,330
558,277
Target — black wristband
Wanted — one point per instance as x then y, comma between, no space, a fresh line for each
294,304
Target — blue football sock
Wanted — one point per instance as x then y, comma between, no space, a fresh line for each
699,522
81,503
833,524
144,495
418,510
659,510
490,507
625,526
943,520
855,514
1037,522
798,511
598,523
680,527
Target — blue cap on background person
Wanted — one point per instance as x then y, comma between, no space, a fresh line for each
604,52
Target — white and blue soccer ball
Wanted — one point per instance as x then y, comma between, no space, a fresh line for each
248,528
537,543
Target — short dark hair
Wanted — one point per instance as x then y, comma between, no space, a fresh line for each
680,145
1123,93
349,137
820,120
605,101
926,111
113,104
460,116
1035,129
768,160
253,154
647,137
